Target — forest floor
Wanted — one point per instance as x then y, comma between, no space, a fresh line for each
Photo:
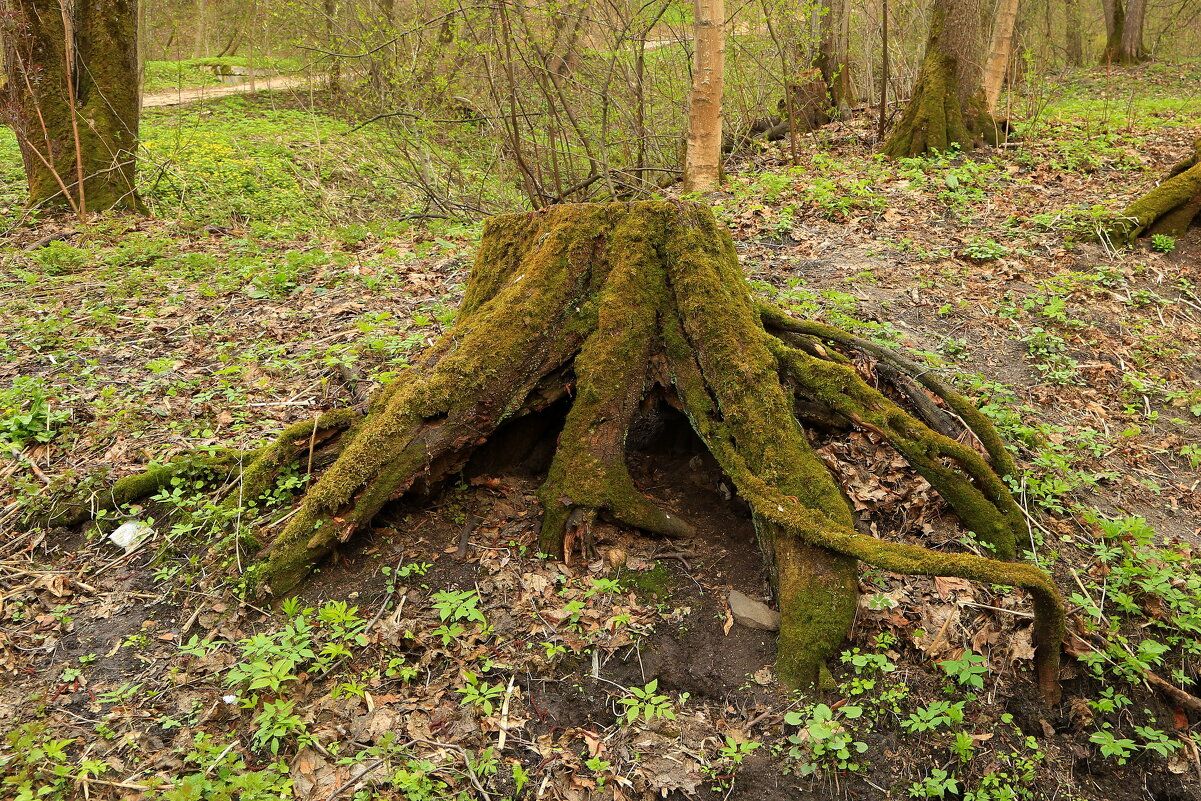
439,656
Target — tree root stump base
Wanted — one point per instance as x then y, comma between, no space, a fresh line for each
604,306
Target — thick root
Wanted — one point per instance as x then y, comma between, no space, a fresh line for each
985,506
612,376
73,509
1168,209
973,420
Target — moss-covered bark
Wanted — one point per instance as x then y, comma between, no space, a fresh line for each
612,304
1169,209
72,100
947,106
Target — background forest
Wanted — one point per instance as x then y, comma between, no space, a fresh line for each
311,185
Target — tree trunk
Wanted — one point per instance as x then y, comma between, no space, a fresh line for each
73,102
834,58
1074,35
1168,209
1000,52
1115,23
330,10
947,106
1130,45
615,309
702,159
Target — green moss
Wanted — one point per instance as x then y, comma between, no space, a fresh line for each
74,510
627,296
1169,208
936,117
978,495
656,582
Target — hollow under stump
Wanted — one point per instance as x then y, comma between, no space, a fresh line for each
1168,209
608,307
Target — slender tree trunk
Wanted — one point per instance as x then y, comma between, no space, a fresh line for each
200,48
947,105
834,58
702,162
1075,38
884,66
1115,23
72,99
1000,52
330,8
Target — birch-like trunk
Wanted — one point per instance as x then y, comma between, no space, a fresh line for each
702,160
999,52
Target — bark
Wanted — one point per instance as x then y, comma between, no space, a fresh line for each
947,106
330,11
1130,46
1124,31
1169,209
72,100
1000,52
620,305
702,159
834,56
1073,33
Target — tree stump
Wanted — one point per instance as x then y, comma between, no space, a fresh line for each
607,306
1168,209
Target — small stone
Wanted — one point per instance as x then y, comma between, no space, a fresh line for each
753,614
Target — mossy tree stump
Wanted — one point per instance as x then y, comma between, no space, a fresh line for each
1168,209
605,306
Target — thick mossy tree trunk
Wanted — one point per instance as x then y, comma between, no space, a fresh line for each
72,100
605,307
1168,209
947,106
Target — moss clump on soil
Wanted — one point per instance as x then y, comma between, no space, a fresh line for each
655,582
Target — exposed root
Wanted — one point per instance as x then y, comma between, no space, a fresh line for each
980,498
1168,209
979,425
609,305
73,509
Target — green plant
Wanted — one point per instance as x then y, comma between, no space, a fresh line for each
823,738
1162,243
480,694
968,670
36,765
934,716
1120,749
221,774
277,722
985,249
462,605
937,785
601,768
647,703
26,415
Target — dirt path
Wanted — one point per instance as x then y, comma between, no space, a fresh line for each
184,96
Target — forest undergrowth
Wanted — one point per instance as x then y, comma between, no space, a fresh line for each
285,272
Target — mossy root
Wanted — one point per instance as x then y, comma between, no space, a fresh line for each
1168,209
